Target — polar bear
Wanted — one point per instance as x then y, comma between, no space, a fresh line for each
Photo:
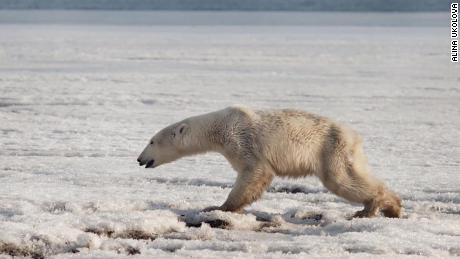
261,144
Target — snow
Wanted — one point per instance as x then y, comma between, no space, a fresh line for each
78,103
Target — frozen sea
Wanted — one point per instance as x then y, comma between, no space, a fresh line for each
82,92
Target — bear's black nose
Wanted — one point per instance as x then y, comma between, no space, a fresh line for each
140,162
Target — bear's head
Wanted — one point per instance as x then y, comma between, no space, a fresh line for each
169,144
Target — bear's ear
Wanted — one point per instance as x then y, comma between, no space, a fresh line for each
181,129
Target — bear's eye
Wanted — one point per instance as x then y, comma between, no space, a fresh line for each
151,142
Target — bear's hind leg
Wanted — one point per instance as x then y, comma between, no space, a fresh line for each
354,183
355,189
345,172
386,201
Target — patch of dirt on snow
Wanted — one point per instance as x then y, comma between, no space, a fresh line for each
14,250
127,234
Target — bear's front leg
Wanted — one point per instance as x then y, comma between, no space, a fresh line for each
249,187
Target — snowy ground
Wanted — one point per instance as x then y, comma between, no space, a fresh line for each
79,102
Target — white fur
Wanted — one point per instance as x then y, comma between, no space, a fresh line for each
288,143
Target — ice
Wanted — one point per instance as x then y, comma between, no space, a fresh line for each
78,103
